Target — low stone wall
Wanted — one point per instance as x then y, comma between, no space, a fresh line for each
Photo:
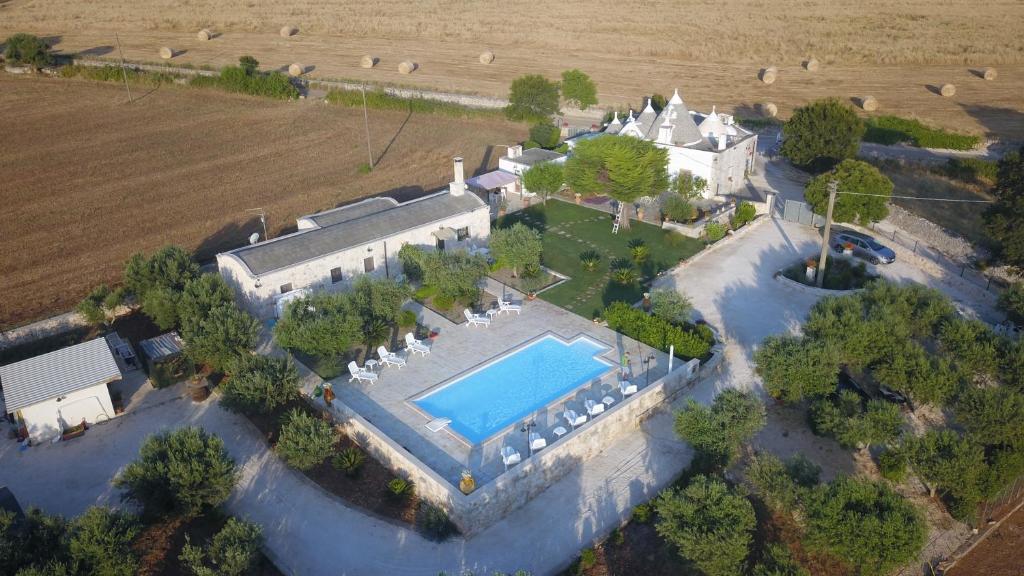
52,326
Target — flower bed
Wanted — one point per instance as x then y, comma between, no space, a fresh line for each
840,274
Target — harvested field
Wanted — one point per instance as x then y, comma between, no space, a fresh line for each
1000,553
88,179
892,50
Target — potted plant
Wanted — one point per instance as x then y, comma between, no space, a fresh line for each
467,484
503,208
647,302
578,197
530,285
848,249
812,268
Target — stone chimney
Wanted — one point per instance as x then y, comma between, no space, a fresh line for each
458,185
515,151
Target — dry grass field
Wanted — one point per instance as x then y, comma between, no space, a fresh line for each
85,179
712,50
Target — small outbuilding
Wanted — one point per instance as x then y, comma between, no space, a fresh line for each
53,392
165,360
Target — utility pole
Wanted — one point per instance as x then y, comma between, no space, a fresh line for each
263,220
124,73
366,122
833,187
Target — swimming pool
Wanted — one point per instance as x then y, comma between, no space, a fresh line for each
515,385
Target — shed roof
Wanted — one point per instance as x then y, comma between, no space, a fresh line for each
373,225
491,180
536,156
163,346
57,373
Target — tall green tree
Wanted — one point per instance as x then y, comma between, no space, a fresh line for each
624,168
993,416
27,50
455,274
259,384
578,89
855,424
224,335
1004,220
518,246
324,324
822,134
907,368
545,134
863,197
198,299
866,524
101,542
794,368
186,471
532,97
710,525
544,179
717,432
950,465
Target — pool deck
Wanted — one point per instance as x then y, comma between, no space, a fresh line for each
460,348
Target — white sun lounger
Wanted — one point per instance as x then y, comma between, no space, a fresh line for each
415,345
438,424
510,456
594,408
537,442
627,388
508,306
360,374
574,419
390,358
476,318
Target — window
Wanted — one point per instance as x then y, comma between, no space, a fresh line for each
336,275
286,288
462,233
368,264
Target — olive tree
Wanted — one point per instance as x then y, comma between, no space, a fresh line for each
324,325
224,335
544,179
100,542
532,97
258,384
794,368
28,50
233,551
863,196
518,246
305,440
822,134
578,89
717,431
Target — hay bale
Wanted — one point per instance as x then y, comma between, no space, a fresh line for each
989,73
296,69
812,64
367,61
288,31
768,75
769,109
204,35
947,90
869,103
406,67
487,57
166,53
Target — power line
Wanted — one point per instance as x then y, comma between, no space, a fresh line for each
921,198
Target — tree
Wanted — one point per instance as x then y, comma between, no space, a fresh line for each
689,186
185,471
233,551
532,97
544,179
794,368
259,384
31,541
1011,302
1004,220
783,486
100,306
455,274
578,89
305,440
671,306
100,542
865,524
822,134
158,281
993,416
907,368
971,345
223,336
518,246
717,432
856,425
855,179
709,524
325,325
248,64
545,134
624,168
27,50
200,297
951,465
378,301
161,305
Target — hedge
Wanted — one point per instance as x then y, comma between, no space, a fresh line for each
689,342
891,130
236,79
380,100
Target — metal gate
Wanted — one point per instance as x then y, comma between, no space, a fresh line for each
799,212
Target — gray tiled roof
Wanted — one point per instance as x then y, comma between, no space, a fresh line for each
311,244
57,373
352,211
536,156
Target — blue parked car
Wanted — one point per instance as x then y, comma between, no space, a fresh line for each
864,246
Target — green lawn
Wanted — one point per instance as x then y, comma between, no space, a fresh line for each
568,230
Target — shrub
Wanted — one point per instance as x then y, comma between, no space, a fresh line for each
411,257
259,384
1011,302
714,231
578,89
655,332
776,485
528,144
111,73
688,186
380,100
623,272
643,513
434,523
400,488
238,79
671,306
894,130
822,134
590,259
248,64
544,179
588,558
1004,219
778,561
455,274
745,212
100,542
407,319
971,170
444,303
639,250
893,465
717,431
532,97
305,440
676,209
324,325
545,134
349,461
182,472
100,306
28,50
233,551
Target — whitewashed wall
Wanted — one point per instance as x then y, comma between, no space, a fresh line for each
44,420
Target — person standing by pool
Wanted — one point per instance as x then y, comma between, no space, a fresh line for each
627,368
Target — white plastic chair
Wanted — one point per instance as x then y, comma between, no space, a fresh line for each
476,318
360,374
390,358
627,388
594,408
415,345
510,457
507,306
574,419
537,442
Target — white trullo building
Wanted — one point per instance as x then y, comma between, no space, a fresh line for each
711,146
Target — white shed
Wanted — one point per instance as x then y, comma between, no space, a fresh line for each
52,392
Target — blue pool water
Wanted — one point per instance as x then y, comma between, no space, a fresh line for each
515,386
